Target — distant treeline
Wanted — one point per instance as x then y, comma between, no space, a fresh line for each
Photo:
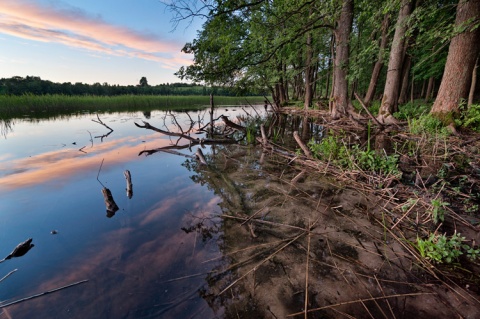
35,85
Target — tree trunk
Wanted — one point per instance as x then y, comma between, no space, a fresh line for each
377,68
403,97
431,83
394,72
329,67
462,54
471,95
341,103
308,73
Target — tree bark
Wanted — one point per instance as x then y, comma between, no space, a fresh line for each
462,54
377,68
394,72
341,102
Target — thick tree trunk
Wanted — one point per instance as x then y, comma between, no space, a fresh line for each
341,103
471,95
462,54
394,72
377,68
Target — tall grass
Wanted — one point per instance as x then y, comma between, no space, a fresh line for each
45,105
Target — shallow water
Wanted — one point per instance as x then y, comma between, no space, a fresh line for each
134,261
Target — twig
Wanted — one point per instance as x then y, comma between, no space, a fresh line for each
42,294
363,300
99,173
366,109
306,273
261,263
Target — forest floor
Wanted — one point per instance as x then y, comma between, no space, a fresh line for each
320,241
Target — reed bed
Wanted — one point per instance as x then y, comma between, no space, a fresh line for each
44,105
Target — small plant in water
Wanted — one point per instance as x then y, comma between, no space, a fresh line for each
444,249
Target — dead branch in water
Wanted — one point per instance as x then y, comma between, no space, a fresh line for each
41,294
192,140
99,121
7,275
129,189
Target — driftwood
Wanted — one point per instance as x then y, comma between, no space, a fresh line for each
129,189
112,207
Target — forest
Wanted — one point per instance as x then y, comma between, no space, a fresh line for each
18,85
338,52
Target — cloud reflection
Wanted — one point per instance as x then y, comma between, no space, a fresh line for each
63,164
130,269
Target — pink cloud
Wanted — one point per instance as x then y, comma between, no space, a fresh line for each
74,27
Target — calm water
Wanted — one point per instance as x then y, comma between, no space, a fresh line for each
134,261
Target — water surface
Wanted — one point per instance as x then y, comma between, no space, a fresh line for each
134,261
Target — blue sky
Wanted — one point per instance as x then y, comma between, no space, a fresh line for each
113,41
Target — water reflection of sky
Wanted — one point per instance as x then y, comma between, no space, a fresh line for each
46,183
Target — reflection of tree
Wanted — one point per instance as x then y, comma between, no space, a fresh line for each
6,127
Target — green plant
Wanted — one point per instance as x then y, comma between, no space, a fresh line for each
438,210
427,124
331,149
444,249
470,117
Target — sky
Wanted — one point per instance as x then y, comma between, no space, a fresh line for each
113,41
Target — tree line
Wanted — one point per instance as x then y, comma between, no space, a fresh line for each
35,85
340,50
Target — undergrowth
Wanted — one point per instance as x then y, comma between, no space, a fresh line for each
338,152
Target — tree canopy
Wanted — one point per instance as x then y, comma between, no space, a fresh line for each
302,49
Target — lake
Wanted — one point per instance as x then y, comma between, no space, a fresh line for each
256,232
135,260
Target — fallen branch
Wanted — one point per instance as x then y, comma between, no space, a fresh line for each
193,140
41,294
302,145
368,112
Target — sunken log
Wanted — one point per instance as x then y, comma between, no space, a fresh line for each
129,189
110,204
